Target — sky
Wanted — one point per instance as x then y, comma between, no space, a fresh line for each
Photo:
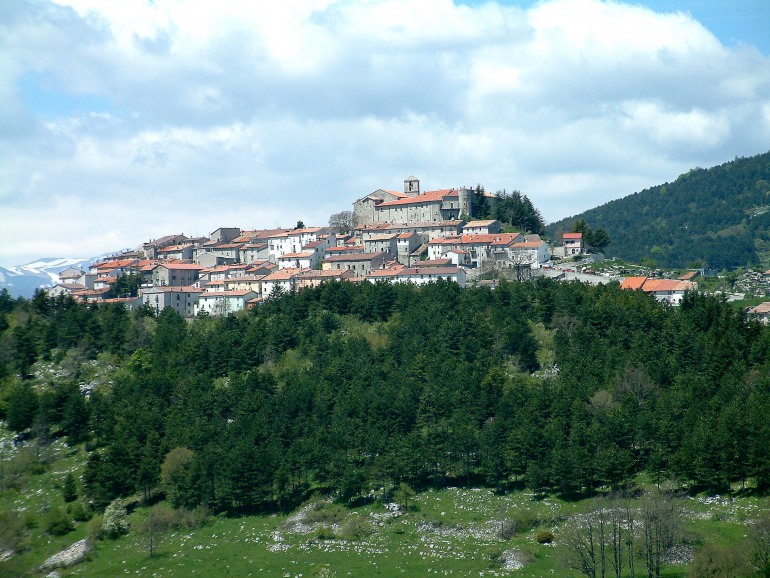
126,120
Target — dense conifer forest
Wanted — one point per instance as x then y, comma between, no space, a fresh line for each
347,388
717,218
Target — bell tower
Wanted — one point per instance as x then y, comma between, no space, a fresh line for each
412,186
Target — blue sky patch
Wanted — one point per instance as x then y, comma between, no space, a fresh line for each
45,99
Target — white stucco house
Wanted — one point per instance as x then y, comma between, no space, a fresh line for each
224,302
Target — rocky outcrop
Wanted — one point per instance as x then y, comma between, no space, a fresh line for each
69,557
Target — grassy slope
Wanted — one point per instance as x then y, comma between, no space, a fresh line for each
39,493
449,532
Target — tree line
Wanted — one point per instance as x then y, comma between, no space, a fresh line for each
513,210
347,388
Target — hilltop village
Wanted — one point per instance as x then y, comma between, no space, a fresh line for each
407,236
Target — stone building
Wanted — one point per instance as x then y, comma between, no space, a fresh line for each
412,205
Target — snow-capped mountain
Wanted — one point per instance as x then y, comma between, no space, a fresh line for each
22,280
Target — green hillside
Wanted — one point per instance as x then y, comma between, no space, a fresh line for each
717,218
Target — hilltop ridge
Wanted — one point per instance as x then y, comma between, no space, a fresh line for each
717,217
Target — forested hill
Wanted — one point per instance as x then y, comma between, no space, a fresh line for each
717,218
347,387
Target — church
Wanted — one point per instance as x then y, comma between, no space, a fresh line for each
412,205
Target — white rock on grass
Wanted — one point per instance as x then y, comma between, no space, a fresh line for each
69,557
511,560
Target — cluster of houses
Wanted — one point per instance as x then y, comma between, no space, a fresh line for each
232,269
401,237
422,240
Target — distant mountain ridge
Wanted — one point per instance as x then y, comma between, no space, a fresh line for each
717,218
22,280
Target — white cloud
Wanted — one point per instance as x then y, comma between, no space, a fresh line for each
260,114
694,128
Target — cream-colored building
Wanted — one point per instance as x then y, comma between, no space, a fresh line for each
419,275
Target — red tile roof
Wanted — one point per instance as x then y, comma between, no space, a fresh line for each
656,285
633,282
426,197
527,245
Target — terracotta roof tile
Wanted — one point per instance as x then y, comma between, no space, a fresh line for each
426,197
633,282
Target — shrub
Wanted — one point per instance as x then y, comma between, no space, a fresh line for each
544,537
494,555
519,522
715,560
326,533
58,522
355,529
94,529
79,511
115,523
30,519
13,531
197,518
333,514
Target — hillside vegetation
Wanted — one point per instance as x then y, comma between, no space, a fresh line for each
717,218
372,393
345,387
